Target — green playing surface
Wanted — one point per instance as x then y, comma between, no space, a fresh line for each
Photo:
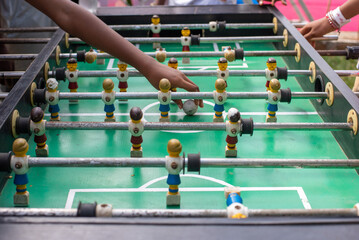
264,188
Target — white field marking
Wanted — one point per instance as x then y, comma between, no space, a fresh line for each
110,64
144,188
183,114
215,47
137,45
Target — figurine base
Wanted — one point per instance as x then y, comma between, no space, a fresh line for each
110,120
269,119
164,119
42,152
173,200
185,60
228,190
231,152
215,119
55,119
21,200
100,61
136,153
156,45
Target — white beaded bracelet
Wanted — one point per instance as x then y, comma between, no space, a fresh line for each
339,18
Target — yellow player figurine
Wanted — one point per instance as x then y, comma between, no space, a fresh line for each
220,97
233,128
136,128
356,83
273,99
52,97
156,29
37,126
234,201
90,56
271,71
108,97
174,165
186,42
19,164
72,74
222,71
164,96
173,63
122,76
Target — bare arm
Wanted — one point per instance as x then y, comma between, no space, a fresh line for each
321,26
79,22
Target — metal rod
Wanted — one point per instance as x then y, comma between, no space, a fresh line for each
182,54
194,126
183,213
205,162
163,27
143,40
191,73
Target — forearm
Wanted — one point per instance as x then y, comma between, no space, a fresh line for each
79,22
350,8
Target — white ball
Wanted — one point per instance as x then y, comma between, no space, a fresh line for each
189,107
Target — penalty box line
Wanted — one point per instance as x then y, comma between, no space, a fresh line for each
144,188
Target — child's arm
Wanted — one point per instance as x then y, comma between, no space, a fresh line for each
79,22
321,26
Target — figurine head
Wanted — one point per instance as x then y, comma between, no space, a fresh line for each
122,66
185,32
220,85
234,115
90,56
71,64
108,85
271,64
51,84
136,114
155,19
20,147
165,85
222,64
274,85
37,114
173,63
174,148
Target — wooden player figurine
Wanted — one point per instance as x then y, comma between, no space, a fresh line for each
156,29
174,165
122,76
19,164
233,128
186,42
222,71
164,96
230,54
356,83
72,75
234,201
37,126
52,97
90,56
220,97
173,63
273,99
108,97
136,128
271,71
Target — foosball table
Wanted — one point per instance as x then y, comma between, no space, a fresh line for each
275,145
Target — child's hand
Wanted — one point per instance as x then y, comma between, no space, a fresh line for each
177,79
316,28
284,2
